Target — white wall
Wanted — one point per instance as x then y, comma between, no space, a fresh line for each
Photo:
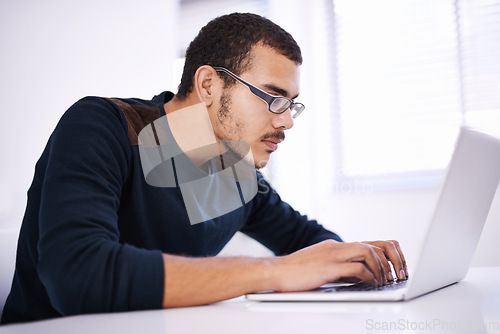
54,52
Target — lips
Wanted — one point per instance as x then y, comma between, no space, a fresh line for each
272,144
273,139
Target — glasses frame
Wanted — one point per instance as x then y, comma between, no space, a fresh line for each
296,108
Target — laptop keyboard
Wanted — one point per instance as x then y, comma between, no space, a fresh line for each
362,286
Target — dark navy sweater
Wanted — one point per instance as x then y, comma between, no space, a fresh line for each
94,231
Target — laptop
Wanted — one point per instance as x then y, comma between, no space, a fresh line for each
465,198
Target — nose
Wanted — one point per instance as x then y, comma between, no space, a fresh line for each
283,120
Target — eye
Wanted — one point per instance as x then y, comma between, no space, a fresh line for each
280,105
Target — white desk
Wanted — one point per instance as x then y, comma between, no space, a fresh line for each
471,306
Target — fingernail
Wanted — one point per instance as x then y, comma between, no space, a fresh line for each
402,274
389,276
406,272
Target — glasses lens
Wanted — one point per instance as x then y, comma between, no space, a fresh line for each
296,109
279,105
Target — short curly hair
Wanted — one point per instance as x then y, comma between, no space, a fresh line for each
227,41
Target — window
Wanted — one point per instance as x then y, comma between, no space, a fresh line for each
408,74
386,85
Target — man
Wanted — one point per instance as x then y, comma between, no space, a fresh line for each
100,235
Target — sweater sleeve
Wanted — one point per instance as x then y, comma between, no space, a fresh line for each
82,264
278,226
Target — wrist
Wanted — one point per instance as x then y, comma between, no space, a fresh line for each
272,277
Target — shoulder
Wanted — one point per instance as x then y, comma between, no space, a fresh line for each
130,115
137,114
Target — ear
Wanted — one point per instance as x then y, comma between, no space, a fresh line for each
207,84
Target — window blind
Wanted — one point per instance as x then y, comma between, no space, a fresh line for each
479,23
409,73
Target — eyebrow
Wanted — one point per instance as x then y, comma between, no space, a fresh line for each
279,91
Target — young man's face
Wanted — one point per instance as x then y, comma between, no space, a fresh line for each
243,116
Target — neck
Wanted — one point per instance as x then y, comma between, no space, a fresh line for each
190,124
175,103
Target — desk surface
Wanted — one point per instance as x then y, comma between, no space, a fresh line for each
471,306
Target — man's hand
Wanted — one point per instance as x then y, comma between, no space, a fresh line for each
196,281
390,251
330,261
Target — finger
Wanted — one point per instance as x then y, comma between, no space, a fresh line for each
393,252
358,252
380,265
401,256
358,270
387,271
394,256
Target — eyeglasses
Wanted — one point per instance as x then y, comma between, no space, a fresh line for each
275,104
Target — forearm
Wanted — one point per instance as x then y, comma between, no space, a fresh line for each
199,281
